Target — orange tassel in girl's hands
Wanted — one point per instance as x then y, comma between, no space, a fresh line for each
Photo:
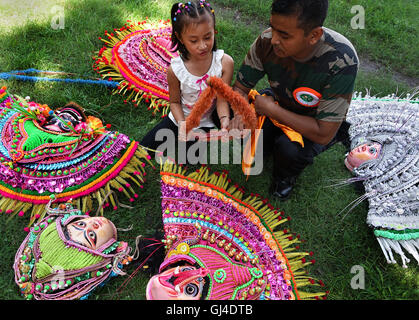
218,87
238,103
203,103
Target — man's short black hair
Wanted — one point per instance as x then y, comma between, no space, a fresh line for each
311,13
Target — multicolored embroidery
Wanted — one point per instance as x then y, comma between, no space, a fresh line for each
84,163
137,56
234,240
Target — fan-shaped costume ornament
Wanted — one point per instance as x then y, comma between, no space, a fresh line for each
62,153
137,56
222,246
384,155
68,254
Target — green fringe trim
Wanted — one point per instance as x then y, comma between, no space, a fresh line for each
398,235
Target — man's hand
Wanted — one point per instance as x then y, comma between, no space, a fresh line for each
264,105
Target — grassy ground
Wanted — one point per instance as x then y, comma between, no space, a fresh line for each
339,241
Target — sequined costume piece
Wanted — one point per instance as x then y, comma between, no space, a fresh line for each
86,162
236,241
389,127
51,266
137,56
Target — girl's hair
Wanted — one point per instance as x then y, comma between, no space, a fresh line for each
182,14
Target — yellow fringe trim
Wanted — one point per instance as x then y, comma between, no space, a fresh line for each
90,202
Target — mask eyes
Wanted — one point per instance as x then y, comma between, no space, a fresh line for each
185,269
373,150
81,224
191,289
92,236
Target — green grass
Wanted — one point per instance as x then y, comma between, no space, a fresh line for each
339,241
390,35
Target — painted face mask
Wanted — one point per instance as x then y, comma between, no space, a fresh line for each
69,116
92,232
385,158
361,154
54,262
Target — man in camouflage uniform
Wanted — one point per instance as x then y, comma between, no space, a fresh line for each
311,71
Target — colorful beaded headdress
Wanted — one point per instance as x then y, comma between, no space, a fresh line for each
137,56
186,6
220,245
51,265
64,153
385,157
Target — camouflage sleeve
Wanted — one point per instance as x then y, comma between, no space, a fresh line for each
337,95
252,70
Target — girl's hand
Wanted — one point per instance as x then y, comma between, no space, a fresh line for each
236,123
225,123
182,131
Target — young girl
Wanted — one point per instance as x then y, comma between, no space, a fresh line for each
193,35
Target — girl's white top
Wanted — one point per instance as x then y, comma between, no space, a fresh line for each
192,86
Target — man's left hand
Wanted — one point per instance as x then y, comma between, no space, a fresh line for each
264,105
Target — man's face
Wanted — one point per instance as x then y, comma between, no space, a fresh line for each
288,39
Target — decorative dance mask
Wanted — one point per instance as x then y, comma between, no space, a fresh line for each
137,56
220,246
385,157
65,153
67,255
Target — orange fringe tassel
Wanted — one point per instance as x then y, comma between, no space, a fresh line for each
238,103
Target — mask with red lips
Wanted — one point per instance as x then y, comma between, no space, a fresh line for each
362,154
91,232
179,283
